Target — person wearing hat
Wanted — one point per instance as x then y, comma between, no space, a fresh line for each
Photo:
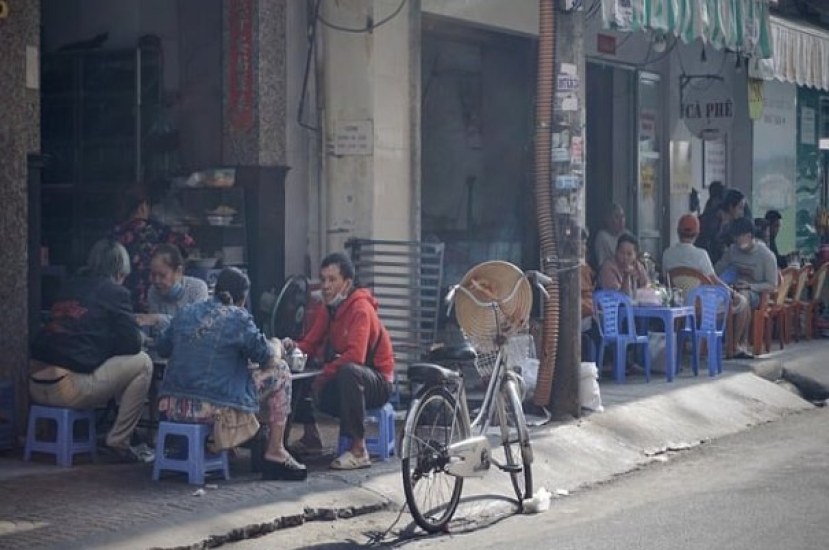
774,217
685,254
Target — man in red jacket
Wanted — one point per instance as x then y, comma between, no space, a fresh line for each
349,340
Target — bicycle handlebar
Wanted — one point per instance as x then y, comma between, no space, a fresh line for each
538,279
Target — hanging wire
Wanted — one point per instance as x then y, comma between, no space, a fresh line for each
369,27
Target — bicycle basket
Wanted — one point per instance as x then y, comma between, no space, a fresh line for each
493,282
518,348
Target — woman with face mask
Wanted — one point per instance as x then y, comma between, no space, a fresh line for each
354,349
171,289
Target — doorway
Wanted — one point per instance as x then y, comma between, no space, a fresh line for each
477,105
624,140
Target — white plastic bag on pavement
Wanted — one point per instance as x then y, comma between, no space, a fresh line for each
589,396
540,502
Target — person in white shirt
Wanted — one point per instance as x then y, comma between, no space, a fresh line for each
604,245
685,254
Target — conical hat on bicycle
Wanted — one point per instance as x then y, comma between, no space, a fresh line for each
493,281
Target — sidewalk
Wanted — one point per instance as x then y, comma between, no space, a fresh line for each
105,506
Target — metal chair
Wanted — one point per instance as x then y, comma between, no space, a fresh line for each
713,304
617,326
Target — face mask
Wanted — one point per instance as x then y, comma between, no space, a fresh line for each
340,297
175,293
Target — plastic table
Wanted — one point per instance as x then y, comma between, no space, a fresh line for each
668,316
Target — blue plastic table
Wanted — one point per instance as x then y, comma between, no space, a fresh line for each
668,316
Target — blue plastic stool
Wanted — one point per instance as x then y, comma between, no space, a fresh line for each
197,462
65,446
383,444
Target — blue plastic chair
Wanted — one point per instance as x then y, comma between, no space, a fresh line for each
617,326
713,302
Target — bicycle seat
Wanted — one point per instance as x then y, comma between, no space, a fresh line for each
460,352
427,373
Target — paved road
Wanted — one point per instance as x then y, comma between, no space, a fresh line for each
767,488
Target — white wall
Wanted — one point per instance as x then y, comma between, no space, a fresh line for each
368,78
301,150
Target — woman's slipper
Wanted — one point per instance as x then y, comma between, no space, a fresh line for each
300,447
350,461
290,470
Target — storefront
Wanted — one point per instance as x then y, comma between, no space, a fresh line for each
654,69
791,118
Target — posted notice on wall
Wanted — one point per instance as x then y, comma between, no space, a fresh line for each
353,137
714,161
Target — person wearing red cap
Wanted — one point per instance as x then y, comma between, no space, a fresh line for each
685,254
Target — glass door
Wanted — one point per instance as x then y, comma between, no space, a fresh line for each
649,166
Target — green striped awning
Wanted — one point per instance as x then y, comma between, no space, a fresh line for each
736,25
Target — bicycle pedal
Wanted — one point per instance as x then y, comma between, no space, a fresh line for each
511,469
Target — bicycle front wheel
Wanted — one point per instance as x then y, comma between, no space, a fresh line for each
515,438
432,493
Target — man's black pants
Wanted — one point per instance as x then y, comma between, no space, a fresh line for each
354,389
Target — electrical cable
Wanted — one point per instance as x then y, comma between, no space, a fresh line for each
312,39
369,27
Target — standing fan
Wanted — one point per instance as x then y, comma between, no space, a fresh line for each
286,316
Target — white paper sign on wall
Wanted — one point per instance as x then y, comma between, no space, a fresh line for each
353,137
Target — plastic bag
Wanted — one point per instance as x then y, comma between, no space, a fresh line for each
590,397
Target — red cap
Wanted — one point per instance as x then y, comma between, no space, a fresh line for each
688,226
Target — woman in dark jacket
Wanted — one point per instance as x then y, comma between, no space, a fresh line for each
90,351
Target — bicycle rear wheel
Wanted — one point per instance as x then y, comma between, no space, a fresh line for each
515,438
431,493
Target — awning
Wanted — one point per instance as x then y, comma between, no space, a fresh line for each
800,55
738,25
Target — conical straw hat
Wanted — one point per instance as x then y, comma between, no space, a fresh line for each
493,282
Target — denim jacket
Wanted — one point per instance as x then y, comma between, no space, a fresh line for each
209,345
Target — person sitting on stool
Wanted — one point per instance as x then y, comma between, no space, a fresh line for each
355,350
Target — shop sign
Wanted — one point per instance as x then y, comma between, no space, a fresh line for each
240,65
707,109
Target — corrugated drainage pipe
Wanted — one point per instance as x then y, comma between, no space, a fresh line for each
544,199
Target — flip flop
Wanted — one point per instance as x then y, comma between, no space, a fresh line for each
349,461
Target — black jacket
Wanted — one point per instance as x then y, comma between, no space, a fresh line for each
91,321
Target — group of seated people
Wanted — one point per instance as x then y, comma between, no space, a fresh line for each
221,369
746,267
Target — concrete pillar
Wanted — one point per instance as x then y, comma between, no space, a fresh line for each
19,135
371,149
253,127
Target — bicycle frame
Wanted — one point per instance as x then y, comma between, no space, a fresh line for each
470,456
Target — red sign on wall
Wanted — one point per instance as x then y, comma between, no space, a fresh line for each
240,65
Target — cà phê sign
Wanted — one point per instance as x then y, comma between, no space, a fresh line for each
708,110
714,109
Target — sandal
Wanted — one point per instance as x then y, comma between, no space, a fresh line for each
141,453
350,461
290,470
300,447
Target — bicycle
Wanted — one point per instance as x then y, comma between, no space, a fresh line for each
440,444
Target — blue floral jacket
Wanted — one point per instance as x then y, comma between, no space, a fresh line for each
209,346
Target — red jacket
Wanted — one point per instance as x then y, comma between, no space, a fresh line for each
354,330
